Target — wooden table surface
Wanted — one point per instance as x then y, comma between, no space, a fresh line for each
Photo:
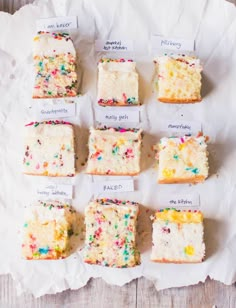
139,293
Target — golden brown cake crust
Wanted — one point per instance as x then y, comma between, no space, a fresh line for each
45,258
179,101
48,174
89,261
193,180
175,261
113,174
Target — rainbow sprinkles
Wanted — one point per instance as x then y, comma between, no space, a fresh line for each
114,151
111,233
49,149
54,66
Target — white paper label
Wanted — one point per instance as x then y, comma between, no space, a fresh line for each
114,45
161,42
182,127
55,111
118,116
51,191
179,200
56,23
113,186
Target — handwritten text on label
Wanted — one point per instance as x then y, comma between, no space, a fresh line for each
114,186
56,23
55,111
55,191
183,127
175,200
114,45
160,42
118,116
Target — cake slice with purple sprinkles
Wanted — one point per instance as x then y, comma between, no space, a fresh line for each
49,149
111,233
54,65
114,151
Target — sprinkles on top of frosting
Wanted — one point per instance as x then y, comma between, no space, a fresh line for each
119,129
56,35
107,60
107,201
55,122
58,206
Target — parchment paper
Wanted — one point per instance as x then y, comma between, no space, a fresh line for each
213,26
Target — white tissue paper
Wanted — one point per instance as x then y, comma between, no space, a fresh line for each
212,24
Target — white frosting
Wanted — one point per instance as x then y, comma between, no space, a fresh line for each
46,45
127,66
172,246
39,212
105,141
116,79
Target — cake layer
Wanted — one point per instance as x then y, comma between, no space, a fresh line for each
49,149
54,66
110,233
178,237
47,229
114,151
117,83
178,79
182,159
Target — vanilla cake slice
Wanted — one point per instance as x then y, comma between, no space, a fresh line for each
111,233
177,236
117,83
47,230
54,65
178,79
49,149
114,151
182,160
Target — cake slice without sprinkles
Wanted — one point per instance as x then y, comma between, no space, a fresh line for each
111,233
178,79
54,66
47,230
182,159
114,151
117,83
177,236
49,149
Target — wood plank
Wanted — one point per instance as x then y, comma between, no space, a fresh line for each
203,295
96,294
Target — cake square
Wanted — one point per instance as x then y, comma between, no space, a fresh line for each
117,83
178,79
177,236
49,149
111,233
54,59
114,151
47,230
182,160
